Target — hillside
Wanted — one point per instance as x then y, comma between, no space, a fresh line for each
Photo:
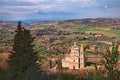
112,22
57,36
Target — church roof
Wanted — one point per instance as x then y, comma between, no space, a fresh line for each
75,47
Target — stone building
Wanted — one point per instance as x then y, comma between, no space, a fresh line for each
76,58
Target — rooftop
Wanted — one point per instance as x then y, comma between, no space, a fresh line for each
75,47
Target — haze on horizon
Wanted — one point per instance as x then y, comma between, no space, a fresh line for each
58,9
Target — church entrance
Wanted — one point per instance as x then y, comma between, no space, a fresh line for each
73,67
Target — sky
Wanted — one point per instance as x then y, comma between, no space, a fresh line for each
58,9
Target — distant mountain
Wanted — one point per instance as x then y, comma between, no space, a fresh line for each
102,22
111,22
31,21
95,22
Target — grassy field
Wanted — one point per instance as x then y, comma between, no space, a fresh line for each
100,30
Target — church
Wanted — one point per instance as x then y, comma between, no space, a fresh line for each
76,58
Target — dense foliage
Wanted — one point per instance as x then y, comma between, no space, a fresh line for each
23,59
110,63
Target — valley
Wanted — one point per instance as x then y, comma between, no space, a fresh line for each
53,39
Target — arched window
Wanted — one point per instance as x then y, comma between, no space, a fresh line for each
73,60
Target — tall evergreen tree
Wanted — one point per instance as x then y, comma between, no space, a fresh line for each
23,59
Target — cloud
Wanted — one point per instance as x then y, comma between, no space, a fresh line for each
18,9
105,13
112,12
48,7
54,13
15,3
87,3
82,3
106,6
5,16
63,1
57,9
31,1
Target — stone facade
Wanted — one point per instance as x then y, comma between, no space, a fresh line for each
74,60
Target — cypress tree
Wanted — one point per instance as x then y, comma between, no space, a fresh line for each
23,58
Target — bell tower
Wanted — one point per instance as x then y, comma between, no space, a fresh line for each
82,58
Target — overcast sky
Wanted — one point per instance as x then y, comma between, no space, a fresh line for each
58,9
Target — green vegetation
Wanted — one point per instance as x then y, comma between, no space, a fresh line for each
5,37
41,49
118,58
116,32
42,52
23,60
4,74
110,63
104,30
4,31
90,29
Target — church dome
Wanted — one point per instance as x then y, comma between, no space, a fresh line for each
75,47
